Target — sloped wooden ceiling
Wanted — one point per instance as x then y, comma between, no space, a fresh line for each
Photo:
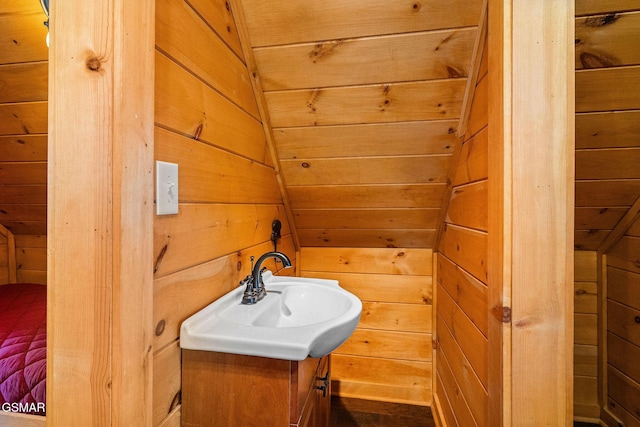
607,117
364,99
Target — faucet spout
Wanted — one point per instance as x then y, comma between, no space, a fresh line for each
255,288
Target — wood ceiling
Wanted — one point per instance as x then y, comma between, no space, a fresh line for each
364,99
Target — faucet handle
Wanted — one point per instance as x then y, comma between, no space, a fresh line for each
246,280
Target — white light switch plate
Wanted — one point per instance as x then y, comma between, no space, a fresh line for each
166,188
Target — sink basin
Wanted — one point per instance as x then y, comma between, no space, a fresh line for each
299,317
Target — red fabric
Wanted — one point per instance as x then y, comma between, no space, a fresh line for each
23,346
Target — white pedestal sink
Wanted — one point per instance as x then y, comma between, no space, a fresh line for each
299,317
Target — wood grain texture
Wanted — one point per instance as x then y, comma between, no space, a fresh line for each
622,395
394,332
608,89
100,227
468,382
211,175
226,378
409,138
166,382
382,379
598,40
269,22
217,65
586,331
14,76
473,161
23,119
467,292
592,7
611,129
466,335
202,232
468,206
187,105
405,288
455,409
367,170
23,33
446,53
367,196
219,16
351,104
431,100
379,219
606,84
368,238
616,163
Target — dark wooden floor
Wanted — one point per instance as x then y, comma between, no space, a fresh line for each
365,413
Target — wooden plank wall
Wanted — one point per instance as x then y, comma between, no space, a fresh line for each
23,133
585,366
31,258
461,295
388,357
607,62
623,336
207,121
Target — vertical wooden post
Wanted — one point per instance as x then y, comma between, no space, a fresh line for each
531,134
100,213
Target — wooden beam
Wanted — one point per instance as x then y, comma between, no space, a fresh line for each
472,81
245,42
531,75
621,228
467,103
100,213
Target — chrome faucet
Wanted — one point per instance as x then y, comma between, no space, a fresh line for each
255,290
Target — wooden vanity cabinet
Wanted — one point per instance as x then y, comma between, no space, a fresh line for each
227,390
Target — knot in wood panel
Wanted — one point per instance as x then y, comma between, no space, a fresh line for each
387,100
160,327
601,21
312,100
503,314
198,131
94,64
454,73
321,50
444,41
591,60
159,258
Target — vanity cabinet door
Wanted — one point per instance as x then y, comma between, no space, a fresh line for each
231,390
316,411
323,394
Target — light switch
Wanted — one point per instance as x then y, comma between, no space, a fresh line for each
166,188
